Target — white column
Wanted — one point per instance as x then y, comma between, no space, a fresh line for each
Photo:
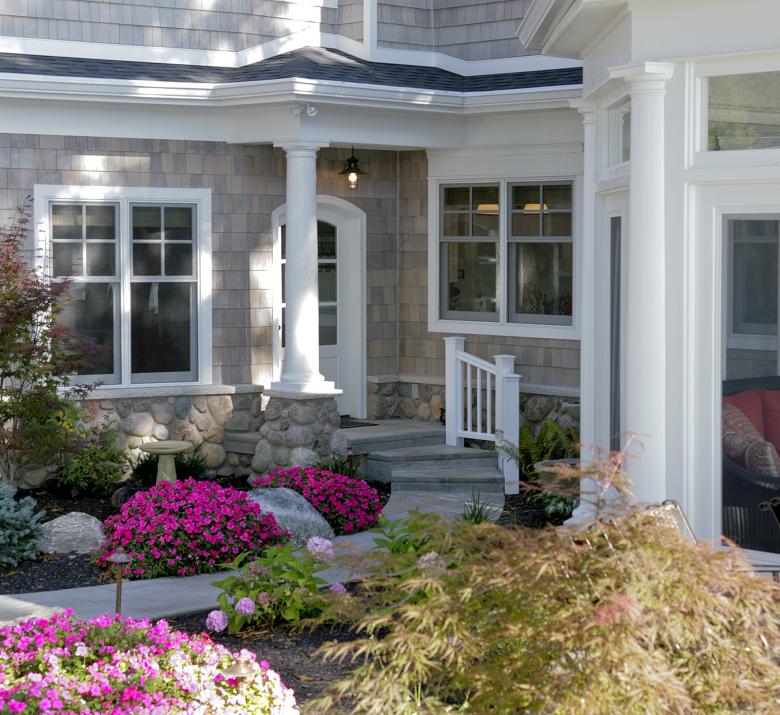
301,366
645,324
585,512
453,405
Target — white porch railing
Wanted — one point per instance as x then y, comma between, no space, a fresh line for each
482,400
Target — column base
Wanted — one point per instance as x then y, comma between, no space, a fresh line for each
319,388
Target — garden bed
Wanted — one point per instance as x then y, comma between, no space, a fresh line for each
50,572
53,503
292,653
521,510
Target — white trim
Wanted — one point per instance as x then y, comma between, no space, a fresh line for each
45,194
350,222
309,37
502,326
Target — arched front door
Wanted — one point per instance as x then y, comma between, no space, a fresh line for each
341,261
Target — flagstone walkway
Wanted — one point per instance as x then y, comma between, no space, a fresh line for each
166,597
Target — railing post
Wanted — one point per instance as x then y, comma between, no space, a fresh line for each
508,417
453,389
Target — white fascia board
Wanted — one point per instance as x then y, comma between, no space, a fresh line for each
278,92
310,37
534,28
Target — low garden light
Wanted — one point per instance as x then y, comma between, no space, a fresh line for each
352,171
238,670
119,559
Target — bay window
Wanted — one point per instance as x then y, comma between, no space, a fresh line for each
137,262
506,253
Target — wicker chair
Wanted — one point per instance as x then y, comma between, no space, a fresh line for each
744,521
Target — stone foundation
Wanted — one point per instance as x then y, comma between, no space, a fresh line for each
297,429
389,399
198,418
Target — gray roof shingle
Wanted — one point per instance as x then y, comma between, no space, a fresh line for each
305,63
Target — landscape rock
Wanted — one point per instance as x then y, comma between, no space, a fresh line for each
213,455
292,512
263,458
302,457
74,532
139,424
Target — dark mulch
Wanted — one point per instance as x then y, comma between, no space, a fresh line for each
50,571
520,510
53,503
290,653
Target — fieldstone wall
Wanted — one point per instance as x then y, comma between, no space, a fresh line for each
420,401
200,419
296,430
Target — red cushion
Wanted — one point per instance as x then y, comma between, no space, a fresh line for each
751,405
771,402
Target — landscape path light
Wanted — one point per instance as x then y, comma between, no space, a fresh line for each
120,559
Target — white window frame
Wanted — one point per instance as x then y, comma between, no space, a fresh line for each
124,198
503,326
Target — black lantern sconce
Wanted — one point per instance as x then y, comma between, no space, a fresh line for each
352,171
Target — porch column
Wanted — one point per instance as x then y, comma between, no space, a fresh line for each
301,367
645,324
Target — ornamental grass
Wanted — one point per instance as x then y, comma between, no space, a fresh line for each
187,528
111,666
627,616
348,505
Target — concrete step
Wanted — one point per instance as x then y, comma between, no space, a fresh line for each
480,481
384,464
392,434
241,442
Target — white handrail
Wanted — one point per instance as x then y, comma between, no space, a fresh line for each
502,414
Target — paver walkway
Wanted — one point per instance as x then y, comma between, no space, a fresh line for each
166,597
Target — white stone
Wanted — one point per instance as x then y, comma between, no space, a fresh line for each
292,512
301,456
74,532
339,444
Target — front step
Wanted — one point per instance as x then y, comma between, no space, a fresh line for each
383,465
479,482
392,434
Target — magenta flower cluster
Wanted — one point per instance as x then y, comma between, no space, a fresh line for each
347,504
186,528
115,666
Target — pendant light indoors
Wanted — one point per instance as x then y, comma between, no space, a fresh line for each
352,171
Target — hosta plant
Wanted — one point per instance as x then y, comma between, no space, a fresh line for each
347,504
627,616
186,528
109,665
280,586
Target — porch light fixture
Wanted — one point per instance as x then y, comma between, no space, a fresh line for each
352,171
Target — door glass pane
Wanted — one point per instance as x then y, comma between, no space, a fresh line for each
327,282
328,325
178,223
178,259
162,315
67,259
542,279
100,259
147,223
326,240
101,223
147,259
470,270
89,312
66,222
751,388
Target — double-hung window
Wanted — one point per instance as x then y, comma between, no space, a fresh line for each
138,262
506,254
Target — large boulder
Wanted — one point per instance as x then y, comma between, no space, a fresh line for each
74,532
292,512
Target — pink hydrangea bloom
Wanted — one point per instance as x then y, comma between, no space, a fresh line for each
320,549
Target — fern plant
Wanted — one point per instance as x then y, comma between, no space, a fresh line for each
19,527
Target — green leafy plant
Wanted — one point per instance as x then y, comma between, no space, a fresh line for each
628,616
478,510
19,527
144,472
406,536
347,464
96,467
37,355
280,586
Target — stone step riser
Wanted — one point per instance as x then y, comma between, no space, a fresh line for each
368,447
383,470
479,490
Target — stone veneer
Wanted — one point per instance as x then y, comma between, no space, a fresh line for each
390,398
296,430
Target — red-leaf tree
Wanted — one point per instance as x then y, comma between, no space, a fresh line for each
37,355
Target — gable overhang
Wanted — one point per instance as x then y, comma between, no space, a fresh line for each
566,28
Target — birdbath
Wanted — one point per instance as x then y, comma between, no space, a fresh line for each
166,451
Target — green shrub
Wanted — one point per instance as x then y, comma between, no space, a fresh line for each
347,465
627,617
144,472
280,586
19,527
96,467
